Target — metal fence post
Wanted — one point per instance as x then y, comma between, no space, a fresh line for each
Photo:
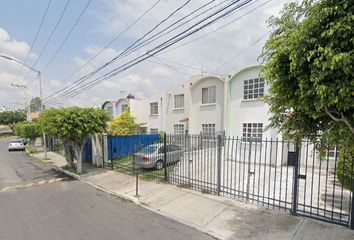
219,165
295,181
165,156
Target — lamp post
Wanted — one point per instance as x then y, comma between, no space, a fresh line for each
40,91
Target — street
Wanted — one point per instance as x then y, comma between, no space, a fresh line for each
38,203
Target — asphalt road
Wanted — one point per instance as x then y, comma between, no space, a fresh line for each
38,203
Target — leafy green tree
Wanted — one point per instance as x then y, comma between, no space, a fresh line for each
309,64
74,126
123,125
35,104
10,118
28,130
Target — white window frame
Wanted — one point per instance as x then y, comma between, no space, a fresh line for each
208,129
124,106
179,101
252,131
178,129
209,95
154,131
253,88
154,108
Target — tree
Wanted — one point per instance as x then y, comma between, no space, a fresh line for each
309,65
123,125
74,126
35,104
10,118
28,130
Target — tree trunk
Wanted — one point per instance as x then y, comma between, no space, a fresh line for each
79,160
68,153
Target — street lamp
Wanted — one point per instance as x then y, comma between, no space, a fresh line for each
40,90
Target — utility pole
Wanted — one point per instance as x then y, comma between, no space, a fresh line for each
40,91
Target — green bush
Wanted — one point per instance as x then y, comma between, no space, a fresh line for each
28,130
345,168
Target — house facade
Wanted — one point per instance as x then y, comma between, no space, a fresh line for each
248,116
196,106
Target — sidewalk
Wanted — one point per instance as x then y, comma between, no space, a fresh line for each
221,217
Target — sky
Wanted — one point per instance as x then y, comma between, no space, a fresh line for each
220,49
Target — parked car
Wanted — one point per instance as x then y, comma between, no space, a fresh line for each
16,144
152,156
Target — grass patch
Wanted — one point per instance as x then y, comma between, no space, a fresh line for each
31,149
185,185
205,191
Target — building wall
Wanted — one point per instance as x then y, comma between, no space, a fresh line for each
206,113
246,111
177,116
119,104
156,121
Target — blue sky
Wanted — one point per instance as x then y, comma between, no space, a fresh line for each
103,20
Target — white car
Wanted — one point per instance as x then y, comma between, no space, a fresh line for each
16,144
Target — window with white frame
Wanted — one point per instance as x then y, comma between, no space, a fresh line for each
154,130
178,129
252,131
179,101
208,129
253,88
209,95
154,108
124,106
332,153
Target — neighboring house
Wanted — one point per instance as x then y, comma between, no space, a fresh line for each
248,115
156,115
196,106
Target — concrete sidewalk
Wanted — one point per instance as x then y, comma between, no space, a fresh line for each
221,217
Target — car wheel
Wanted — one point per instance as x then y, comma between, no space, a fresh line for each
159,165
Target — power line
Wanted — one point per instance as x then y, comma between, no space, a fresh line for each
79,81
67,36
51,35
82,79
223,12
34,40
110,42
241,51
157,49
223,26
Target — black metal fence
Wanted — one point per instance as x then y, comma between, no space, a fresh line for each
269,172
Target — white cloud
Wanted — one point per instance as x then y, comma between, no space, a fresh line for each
160,72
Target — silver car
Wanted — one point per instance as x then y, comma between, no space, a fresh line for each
152,156
16,144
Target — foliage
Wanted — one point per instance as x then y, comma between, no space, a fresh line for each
10,118
35,104
123,125
27,130
74,126
309,66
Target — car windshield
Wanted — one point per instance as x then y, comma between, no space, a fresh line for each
149,150
15,141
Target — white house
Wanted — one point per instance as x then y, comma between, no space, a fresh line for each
248,115
156,113
197,105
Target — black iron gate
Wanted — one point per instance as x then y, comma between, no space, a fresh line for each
317,191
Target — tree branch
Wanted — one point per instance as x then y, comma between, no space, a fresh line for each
342,118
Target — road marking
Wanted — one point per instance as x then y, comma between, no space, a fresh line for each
4,189
33,184
41,182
